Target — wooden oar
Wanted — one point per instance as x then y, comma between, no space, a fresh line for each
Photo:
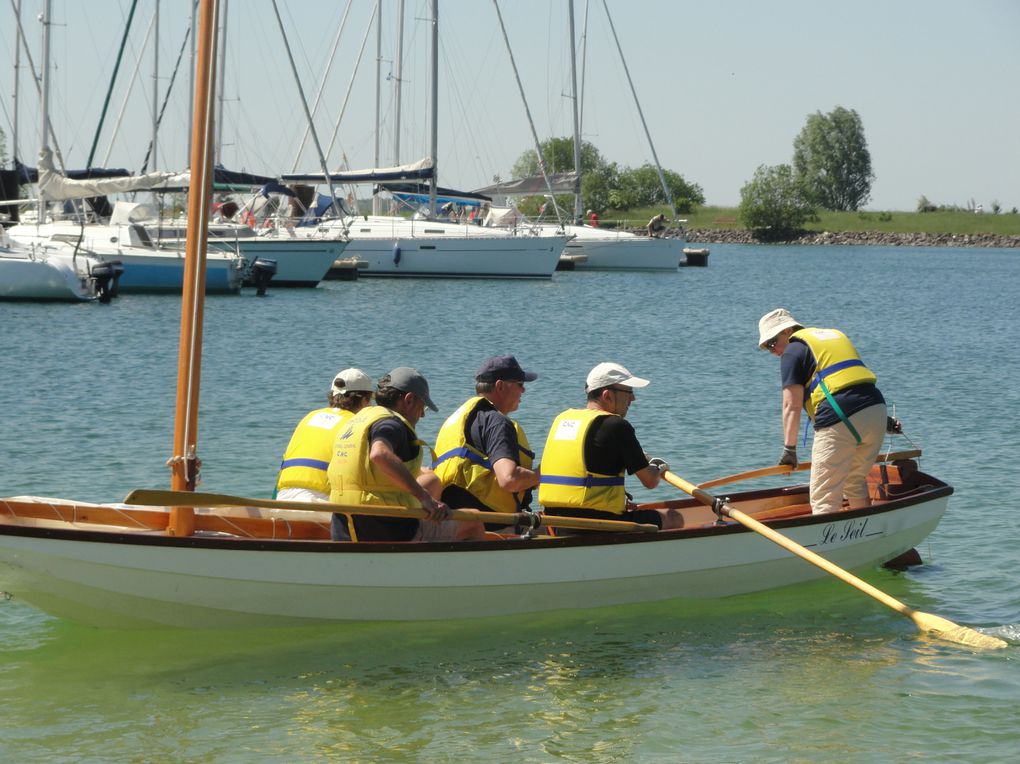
158,498
785,469
937,626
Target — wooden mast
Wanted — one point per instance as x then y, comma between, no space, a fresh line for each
184,464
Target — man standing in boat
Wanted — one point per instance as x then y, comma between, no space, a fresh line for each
377,460
823,373
589,450
484,459
657,226
303,469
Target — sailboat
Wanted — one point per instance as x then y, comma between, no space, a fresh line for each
53,271
588,247
157,560
397,247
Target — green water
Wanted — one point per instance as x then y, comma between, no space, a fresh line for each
812,673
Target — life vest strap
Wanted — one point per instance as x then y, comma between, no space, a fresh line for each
315,464
585,482
820,375
464,453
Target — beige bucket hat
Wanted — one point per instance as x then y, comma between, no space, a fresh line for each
772,323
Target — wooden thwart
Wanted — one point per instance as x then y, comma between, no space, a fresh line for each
934,625
785,469
160,498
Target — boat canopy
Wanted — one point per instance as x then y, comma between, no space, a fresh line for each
415,194
561,182
423,169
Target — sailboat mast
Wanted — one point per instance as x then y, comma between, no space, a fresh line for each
378,96
222,44
184,463
577,119
17,83
435,107
641,114
45,19
398,83
155,86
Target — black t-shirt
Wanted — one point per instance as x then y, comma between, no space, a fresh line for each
611,447
797,367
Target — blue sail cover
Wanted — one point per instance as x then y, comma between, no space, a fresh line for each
421,170
414,193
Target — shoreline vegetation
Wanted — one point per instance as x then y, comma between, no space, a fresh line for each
943,228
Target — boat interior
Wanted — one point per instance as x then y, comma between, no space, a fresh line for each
887,482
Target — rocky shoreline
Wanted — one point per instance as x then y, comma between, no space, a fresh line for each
731,236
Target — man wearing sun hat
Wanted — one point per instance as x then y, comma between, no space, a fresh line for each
823,373
588,452
484,458
377,460
303,469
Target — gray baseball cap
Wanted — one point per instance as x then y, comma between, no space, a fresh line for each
408,380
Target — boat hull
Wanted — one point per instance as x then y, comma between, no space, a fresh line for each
132,578
400,248
300,262
48,277
626,254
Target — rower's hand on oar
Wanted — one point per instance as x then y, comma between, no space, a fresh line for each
438,511
789,456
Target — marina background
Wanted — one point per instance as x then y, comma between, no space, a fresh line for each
725,87
803,674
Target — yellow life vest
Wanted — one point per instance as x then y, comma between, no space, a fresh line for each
306,459
463,465
836,362
353,478
566,480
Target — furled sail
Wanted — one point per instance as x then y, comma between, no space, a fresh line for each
55,186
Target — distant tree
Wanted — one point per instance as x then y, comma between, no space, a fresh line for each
641,187
831,160
603,184
923,205
772,203
597,174
3,148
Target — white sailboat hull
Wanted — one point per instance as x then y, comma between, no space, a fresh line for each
399,248
45,275
137,578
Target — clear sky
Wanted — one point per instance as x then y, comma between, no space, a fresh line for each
725,86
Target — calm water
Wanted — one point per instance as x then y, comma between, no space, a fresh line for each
812,673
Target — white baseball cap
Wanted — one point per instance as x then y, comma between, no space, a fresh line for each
351,381
608,374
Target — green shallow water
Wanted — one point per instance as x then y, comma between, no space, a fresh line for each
805,674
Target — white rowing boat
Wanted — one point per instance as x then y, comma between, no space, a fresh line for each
115,565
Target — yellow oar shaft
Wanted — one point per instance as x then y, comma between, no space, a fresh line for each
786,469
926,622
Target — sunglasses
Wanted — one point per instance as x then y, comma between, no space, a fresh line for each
625,390
772,343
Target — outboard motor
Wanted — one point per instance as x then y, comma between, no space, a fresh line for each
262,271
106,276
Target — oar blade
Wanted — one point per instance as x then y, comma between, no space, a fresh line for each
946,630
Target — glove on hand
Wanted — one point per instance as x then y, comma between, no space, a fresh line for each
659,464
893,426
789,456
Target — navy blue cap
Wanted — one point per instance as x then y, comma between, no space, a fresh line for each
503,367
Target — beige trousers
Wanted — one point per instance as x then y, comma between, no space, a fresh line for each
839,466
